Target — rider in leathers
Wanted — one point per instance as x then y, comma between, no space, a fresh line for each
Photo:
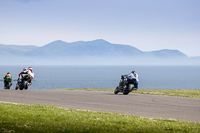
134,76
31,73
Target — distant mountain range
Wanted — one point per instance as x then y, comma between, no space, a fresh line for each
97,52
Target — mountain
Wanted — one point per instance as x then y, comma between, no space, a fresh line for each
96,52
15,49
166,53
98,48
14,54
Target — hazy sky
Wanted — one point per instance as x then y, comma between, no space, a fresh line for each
145,24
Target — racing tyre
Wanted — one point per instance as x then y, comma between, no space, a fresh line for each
127,90
22,86
116,90
25,85
16,88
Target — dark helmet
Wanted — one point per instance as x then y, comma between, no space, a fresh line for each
25,69
8,73
133,72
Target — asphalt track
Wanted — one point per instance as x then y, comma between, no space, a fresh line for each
152,106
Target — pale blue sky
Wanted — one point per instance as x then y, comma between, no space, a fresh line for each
145,24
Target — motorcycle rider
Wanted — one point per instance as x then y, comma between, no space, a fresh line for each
25,71
7,75
31,73
134,77
23,74
127,83
7,78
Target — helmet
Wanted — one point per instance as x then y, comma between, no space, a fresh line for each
133,72
8,74
25,69
30,68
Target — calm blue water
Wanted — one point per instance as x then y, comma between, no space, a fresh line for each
107,77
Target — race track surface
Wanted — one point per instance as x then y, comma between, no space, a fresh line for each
164,107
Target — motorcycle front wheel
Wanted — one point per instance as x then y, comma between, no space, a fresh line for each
116,90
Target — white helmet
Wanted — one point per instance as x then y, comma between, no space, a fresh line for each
30,68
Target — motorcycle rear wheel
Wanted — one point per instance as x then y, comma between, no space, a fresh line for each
25,85
21,86
7,87
127,90
16,88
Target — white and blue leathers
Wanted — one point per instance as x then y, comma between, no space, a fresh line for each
134,76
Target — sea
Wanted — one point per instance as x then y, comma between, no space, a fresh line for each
107,77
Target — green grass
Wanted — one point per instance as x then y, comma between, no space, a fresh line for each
177,93
16,118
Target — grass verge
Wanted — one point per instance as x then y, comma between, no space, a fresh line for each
177,93
16,118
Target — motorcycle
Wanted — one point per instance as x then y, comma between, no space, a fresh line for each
125,86
7,82
23,82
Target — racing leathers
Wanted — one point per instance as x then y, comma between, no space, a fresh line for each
134,76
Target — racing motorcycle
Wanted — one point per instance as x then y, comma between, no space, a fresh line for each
7,82
23,82
125,86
